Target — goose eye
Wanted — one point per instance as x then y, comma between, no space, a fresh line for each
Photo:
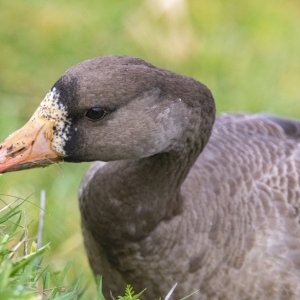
96,113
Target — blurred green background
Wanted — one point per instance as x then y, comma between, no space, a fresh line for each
247,52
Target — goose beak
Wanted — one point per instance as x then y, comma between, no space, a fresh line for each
29,147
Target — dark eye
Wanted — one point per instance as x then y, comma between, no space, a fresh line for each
96,113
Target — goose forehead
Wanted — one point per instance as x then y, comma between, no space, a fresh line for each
51,108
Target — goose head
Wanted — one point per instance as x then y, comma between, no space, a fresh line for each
110,108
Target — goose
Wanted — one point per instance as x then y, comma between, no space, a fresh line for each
210,203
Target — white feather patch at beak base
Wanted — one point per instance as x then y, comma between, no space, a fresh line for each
52,109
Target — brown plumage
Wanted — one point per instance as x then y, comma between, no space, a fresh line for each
219,216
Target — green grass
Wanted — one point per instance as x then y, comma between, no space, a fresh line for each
23,274
246,52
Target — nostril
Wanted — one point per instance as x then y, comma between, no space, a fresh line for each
17,152
14,150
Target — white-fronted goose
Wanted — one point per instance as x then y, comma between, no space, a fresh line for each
225,221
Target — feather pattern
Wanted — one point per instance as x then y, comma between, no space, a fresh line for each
236,233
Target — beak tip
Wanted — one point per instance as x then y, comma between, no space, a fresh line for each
28,147
4,161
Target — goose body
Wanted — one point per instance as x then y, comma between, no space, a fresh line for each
213,205
234,234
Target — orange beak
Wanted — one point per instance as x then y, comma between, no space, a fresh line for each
29,147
